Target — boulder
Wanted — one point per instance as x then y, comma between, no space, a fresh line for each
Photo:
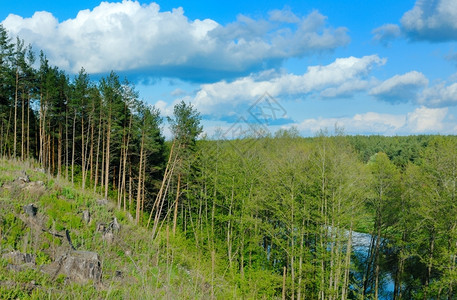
18,258
114,226
78,266
31,209
110,230
23,178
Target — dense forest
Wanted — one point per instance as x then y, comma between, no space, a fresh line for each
284,219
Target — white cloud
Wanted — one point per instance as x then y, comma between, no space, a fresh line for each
433,20
129,36
284,15
340,78
421,120
400,88
426,120
439,95
371,122
178,92
386,33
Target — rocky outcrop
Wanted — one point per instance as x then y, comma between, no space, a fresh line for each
22,182
18,261
18,258
31,209
78,266
109,231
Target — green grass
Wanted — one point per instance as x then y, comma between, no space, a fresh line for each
134,266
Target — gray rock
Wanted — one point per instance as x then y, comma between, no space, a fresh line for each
102,202
101,227
86,216
109,231
24,178
21,267
108,236
18,258
114,226
31,209
78,266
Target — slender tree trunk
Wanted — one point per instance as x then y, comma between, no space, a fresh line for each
378,243
140,173
175,215
73,148
15,112
229,227
166,174
98,152
28,127
347,264
83,154
23,127
107,154
66,142
91,152
59,151
124,167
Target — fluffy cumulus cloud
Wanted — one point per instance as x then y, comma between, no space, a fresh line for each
343,77
430,20
428,120
400,88
440,95
127,36
370,122
433,20
421,120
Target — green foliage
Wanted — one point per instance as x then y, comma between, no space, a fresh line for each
13,230
61,212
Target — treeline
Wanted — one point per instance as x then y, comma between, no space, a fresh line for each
286,216
100,135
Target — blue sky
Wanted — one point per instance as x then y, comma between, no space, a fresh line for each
370,67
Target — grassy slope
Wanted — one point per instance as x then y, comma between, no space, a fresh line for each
164,268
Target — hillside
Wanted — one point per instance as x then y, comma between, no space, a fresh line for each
105,257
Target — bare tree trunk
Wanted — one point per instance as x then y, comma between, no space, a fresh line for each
347,264
59,152
28,126
83,154
178,191
91,152
131,189
124,167
23,127
164,180
140,173
73,148
98,152
66,142
107,154
15,113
